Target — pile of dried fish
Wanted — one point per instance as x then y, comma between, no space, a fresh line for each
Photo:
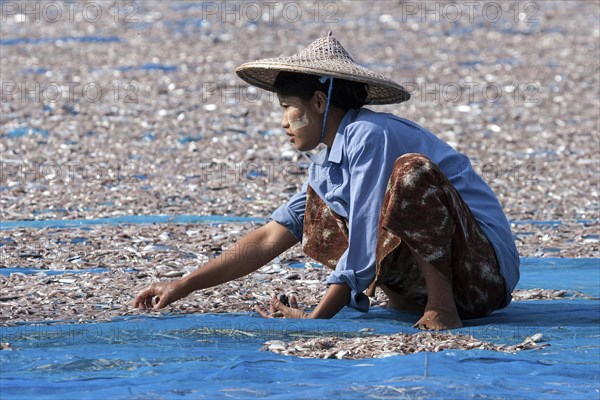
126,259
558,239
168,248
5,346
176,132
548,294
379,346
89,297
161,248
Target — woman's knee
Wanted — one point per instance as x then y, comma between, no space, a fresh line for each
411,169
412,159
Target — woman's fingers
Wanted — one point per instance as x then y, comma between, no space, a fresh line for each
159,295
148,302
141,300
274,309
262,312
159,303
274,302
277,309
288,312
151,298
294,313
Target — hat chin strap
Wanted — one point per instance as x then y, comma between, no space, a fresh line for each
323,79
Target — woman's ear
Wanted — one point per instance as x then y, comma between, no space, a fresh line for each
320,101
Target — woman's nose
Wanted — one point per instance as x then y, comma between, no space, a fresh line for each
285,123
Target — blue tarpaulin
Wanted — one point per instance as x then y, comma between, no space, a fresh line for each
218,355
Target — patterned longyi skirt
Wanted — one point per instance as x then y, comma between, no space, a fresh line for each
421,213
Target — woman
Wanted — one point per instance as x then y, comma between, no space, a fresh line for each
387,203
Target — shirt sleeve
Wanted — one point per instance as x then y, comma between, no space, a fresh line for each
291,215
370,169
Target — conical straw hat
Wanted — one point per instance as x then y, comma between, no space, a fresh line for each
324,57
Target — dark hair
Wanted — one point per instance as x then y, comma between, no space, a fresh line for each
344,94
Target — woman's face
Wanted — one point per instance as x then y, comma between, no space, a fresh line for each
302,121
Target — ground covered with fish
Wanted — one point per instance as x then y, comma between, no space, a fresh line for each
169,129
92,274
103,292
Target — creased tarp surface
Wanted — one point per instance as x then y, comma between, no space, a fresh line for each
217,356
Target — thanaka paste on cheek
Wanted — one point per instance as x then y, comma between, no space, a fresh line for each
299,123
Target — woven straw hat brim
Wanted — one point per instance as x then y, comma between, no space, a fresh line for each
324,57
263,73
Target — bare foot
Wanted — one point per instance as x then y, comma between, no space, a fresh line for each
438,320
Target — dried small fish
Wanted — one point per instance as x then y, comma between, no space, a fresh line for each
173,274
270,269
548,294
380,346
130,156
6,346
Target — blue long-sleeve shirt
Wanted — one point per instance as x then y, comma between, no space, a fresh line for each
352,175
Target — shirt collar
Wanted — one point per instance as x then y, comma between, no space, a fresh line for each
318,158
334,153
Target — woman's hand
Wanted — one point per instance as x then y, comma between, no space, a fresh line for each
278,309
159,295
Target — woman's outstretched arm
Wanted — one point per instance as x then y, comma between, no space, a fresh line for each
247,255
